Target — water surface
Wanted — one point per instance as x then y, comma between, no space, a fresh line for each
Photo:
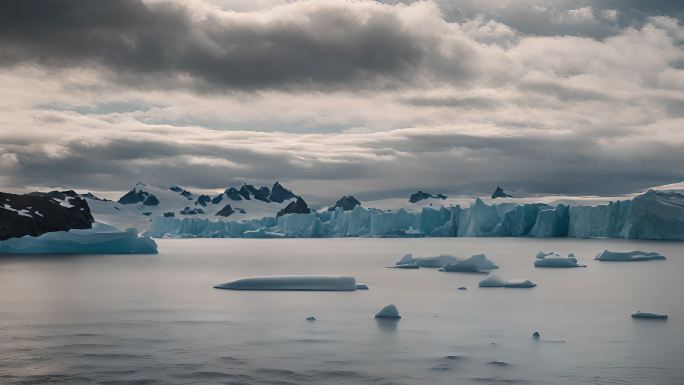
139,319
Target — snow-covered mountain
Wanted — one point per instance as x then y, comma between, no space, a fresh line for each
138,206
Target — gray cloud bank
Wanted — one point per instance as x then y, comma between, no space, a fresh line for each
338,97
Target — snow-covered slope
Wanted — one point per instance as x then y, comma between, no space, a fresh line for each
143,202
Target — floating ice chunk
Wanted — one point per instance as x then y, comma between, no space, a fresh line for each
536,335
463,267
481,261
293,282
100,239
498,363
389,311
462,288
312,318
406,260
496,281
437,261
406,266
628,256
640,314
541,254
556,261
362,287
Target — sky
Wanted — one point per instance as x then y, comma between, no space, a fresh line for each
376,99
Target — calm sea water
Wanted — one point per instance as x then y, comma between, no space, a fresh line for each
155,319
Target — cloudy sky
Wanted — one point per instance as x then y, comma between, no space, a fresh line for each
333,97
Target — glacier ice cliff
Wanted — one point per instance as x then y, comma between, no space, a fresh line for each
100,239
651,215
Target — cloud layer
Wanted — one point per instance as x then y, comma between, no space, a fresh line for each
342,97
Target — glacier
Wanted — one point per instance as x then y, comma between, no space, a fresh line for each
100,239
655,214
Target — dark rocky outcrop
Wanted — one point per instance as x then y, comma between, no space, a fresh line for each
500,193
203,200
247,191
297,207
139,196
280,194
226,211
233,194
38,213
94,197
347,203
193,211
217,199
421,195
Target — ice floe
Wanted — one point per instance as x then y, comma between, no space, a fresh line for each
628,256
641,314
496,281
293,282
554,260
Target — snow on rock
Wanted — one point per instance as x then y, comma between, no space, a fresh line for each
554,260
100,239
496,281
389,311
629,256
647,315
293,282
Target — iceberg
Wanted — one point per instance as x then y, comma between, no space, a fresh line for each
100,239
463,267
496,281
629,256
389,311
554,260
640,314
293,282
433,262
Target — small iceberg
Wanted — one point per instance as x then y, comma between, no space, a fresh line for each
388,312
647,315
496,281
433,262
475,264
405,266
293,282
312,318
628,256
554,260
462,288
536,335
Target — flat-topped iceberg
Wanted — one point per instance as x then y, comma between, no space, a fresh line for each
100,239
642,314
496,281
628,256
294,282
389,311
554,260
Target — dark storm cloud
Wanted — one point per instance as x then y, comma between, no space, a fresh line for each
160,43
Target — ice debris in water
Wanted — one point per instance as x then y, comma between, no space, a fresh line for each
389,311
536,335
293,282
554,260
462,288
628,256
447,262
640,314
312,318
496,281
